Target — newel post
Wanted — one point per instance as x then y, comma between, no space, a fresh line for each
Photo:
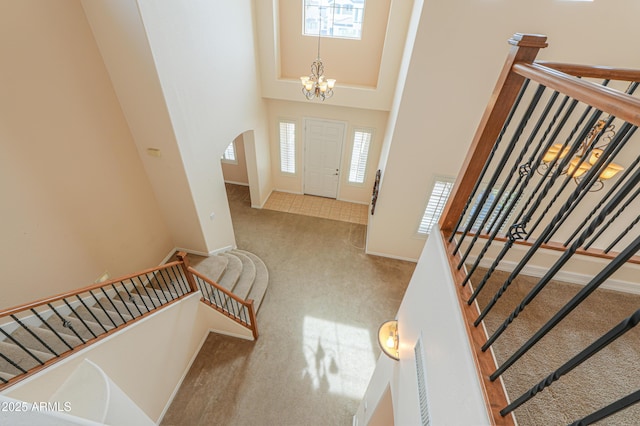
524,49
182,257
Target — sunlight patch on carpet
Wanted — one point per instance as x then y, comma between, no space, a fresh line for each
340,357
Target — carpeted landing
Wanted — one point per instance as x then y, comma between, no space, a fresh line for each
318,323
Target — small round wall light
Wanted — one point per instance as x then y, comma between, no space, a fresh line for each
388,339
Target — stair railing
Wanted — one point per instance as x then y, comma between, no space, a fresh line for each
37,334
221,299
546,143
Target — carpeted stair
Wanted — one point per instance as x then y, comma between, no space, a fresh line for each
88,319
241,272
84,318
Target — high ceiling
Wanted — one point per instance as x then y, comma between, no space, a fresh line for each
350,61
366,70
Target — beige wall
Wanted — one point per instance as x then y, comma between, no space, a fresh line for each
459,51
75,199
354,118
236,172
352,62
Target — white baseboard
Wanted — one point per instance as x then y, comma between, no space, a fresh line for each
237,183
391,256
569,277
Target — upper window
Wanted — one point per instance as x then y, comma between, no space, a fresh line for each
229,155
333,18
287,146
359,155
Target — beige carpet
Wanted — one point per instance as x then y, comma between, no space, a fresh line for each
317,347
608,376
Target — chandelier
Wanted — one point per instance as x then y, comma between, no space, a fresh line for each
579,165
316,85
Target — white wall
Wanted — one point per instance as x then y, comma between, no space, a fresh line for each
153,355
459,50
430,310
206,61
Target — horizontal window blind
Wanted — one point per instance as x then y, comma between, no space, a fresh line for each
287,147
437,200
359,156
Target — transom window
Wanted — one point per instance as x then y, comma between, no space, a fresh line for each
333,18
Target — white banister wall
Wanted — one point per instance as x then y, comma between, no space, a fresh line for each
147,360
430,310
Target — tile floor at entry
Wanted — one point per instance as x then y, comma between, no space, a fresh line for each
309,205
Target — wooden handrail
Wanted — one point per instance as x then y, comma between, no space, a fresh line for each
606,99
217,286
594,71
524,50
51,299
494,394
247,303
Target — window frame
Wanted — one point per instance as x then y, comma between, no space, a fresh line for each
450,182
233,160
285,121
371,133
333,10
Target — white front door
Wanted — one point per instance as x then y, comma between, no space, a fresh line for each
323,152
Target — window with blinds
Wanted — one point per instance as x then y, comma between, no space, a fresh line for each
498,213
287,147
359,155
437,200
229,155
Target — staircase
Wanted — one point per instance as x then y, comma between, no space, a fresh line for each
240,272
35,335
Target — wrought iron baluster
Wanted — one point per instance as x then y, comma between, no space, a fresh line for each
42,342
14,364
144,287
66,323
601,343
611,205
91,313
117,293
488,162
623,234
79,317
501,164
536,245
103,309
610,409
617,214
165,284
21,346
601,202
46,324
131,298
